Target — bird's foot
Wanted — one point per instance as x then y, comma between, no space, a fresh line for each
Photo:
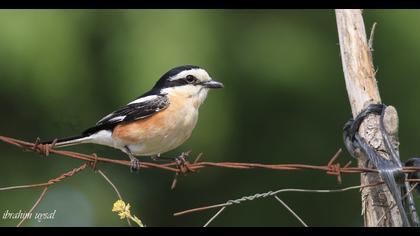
182,159
134,165
134,162
182,163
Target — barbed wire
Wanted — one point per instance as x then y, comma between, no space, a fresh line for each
331,168
45,185
56,180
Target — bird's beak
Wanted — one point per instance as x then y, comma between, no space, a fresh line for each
212,84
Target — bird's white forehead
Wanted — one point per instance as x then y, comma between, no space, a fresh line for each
197,72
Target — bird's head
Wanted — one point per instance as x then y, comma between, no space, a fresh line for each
188,81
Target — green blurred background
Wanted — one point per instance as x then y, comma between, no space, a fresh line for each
284,101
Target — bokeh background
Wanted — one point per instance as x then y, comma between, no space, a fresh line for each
284,101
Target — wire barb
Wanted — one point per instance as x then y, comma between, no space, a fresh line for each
335,169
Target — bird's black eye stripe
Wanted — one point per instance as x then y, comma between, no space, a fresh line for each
190,79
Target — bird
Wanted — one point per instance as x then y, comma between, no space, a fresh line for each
156,122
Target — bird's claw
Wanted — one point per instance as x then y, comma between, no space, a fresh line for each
182,163
134,165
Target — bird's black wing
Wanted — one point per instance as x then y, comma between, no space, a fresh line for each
143,107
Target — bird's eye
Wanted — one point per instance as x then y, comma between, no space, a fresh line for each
190,79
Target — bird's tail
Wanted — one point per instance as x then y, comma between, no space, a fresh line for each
68,141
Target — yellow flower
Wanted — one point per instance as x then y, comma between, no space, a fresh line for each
119,205
124,211
123,215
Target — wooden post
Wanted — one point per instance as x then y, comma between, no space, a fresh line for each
362,90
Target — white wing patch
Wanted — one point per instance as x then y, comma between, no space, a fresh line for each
104,118
117,118
144,99
120,118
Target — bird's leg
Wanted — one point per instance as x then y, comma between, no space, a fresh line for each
157,157
180,160
134,162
